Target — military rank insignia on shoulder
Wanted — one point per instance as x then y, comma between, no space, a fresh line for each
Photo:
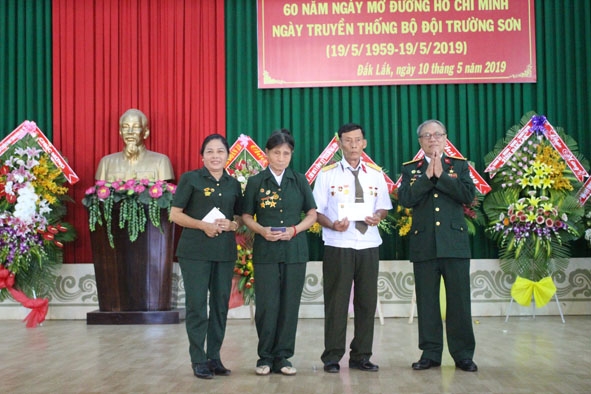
330,167
411,162
374,166
457,158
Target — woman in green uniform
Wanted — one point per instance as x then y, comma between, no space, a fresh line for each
278,196
206,204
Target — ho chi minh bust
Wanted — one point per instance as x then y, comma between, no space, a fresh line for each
135,162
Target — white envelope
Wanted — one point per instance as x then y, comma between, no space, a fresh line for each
213,215
354,211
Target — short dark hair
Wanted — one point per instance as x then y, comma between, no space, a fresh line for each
350,127
212,137
280,137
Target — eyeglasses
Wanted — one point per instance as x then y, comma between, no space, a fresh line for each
436,136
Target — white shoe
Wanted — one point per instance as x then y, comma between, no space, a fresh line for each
288,371
263,370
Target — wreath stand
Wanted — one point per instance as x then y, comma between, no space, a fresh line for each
533,308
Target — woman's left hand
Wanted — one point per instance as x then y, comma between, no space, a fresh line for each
225,225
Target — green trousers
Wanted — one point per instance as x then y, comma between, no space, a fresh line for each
458,321
278,289
199,278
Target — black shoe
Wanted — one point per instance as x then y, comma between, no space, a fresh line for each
218,368
467,365
424,363
332,367
201,370
363,365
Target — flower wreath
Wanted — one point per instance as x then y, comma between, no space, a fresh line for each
533,212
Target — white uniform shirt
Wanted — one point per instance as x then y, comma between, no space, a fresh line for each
336,184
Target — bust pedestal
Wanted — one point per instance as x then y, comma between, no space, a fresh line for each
134,279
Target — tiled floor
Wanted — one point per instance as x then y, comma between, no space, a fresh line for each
524,355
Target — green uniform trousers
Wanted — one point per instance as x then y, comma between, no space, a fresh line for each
198,278
278,289
342,267
458,321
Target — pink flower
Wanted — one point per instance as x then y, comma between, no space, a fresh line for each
539,219
103,192
139,189
171,188
155,191
130,183
100,183
549,222
90,190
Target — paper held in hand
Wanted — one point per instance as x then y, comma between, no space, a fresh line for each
213,215
354,211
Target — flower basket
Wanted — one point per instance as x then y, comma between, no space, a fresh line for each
33,193
533,212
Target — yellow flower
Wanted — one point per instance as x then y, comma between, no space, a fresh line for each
534,201
520,205
536,182
547,183
531,216
316,228
547,206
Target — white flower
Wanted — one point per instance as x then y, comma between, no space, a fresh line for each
26,203
44,207
588,235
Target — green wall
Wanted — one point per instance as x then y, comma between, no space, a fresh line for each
25,64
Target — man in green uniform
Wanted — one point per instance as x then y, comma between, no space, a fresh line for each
436,187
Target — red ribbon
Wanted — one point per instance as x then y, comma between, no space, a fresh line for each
246,143
325,157
552,136
38,306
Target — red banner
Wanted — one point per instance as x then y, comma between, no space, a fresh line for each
585,192
304,43
549,133
327,155
244,142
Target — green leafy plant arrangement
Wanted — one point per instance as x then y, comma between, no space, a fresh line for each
532,211
132,198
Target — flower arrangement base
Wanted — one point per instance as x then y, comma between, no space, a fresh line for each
533,309
134,279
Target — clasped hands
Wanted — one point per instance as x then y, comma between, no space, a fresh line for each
218,226
434,169
275,235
